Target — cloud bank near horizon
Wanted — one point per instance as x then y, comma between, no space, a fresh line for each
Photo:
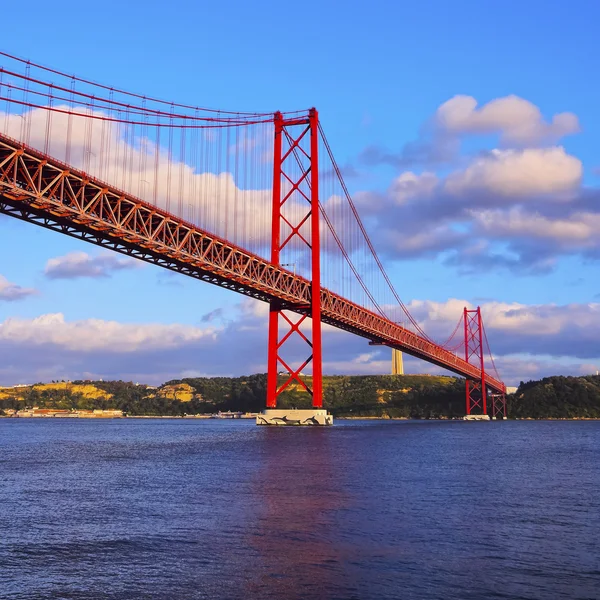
528,342
520,205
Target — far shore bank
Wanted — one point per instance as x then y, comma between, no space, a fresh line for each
253,416
368,397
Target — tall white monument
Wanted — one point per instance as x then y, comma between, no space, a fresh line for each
397,362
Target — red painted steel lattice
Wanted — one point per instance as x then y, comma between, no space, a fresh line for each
189,189
475,389
39,189
296,187
498,405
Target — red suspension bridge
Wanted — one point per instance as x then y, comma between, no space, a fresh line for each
253,202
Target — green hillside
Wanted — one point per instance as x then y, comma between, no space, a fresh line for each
398,396
557,398
417,396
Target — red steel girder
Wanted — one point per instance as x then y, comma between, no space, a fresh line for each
44,191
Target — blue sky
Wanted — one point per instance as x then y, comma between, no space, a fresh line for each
378,73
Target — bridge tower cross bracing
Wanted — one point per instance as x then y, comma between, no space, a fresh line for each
476,395
499,405
296,180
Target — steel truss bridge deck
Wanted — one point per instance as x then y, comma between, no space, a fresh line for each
41,190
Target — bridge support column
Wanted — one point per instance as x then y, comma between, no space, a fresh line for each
295,229
476,392
499,406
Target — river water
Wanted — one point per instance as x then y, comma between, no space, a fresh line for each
182,509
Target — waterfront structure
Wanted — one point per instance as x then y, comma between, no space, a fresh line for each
96,413
294,417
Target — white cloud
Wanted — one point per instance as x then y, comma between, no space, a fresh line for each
523,199
146,170
549,329
12,292
519,174
430,240
527,341
81,264
409,185
579,230
204,182
93,335
501,176
517,120
539,321
519,206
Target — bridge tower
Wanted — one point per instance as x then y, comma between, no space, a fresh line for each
476,394
295,226
499,405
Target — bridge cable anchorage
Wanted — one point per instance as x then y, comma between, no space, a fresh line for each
193,190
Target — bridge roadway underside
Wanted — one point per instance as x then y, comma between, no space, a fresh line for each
45,192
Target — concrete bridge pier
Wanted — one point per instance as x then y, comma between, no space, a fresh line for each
315,417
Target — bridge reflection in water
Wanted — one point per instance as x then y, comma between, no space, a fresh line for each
295,537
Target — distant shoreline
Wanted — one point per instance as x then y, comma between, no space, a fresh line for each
102,418
248,418
460,419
